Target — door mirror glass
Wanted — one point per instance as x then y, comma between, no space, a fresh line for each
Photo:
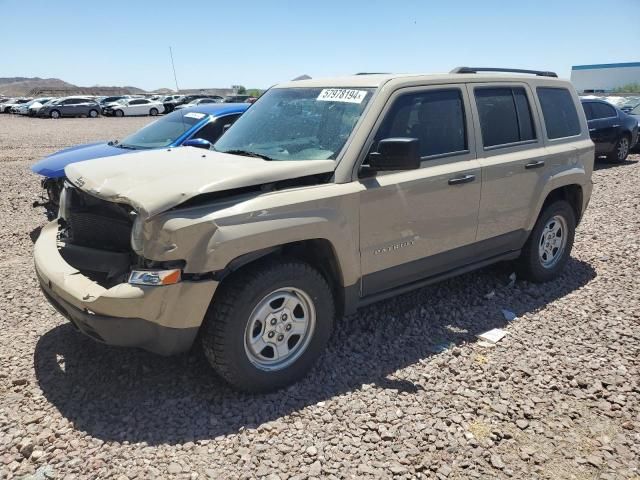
396,154
198,142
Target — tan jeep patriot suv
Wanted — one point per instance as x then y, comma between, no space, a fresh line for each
326,195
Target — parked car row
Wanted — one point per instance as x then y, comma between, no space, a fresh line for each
117,106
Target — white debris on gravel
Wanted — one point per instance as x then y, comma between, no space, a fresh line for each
493,336
559,400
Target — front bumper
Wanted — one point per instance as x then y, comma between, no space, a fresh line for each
161,319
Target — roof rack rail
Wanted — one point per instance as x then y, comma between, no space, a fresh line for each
371,73
539,73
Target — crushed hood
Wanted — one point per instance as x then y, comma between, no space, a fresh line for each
155,181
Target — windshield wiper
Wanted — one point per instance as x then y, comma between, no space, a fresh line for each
124,145
247,153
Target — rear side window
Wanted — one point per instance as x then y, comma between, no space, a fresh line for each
600,110
435,118
559,112
505,115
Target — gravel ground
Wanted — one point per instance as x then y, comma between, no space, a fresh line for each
404,390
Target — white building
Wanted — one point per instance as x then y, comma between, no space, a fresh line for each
604,77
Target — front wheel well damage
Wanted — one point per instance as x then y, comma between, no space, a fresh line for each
318,252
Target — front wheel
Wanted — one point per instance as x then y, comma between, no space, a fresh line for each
54,114
119,113
268,324
621,150
548,247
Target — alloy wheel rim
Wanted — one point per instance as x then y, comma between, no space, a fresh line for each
553,241
623,148
279,329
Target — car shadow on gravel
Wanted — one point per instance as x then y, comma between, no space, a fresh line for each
117,394
602,164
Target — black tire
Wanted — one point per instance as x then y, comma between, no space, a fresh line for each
118,113
153,112
93,113
530,265
55,114
621,151
223,333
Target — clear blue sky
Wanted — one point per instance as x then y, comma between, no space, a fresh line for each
256,44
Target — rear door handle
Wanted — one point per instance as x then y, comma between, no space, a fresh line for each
536,164
462,179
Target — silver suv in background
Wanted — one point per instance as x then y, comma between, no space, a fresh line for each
326,195
70,107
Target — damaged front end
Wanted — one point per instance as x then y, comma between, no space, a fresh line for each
89,271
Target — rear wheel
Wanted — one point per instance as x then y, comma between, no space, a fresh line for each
153,112
621,150
119,113
54,114
548,247
268,324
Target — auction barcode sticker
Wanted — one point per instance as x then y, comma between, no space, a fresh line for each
341,95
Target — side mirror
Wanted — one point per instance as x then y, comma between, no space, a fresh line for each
197,142
395,154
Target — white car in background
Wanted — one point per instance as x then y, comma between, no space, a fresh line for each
133,106
198,101
8,106
32,107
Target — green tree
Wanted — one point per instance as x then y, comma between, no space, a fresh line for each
628,88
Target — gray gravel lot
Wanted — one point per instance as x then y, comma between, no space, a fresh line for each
557,398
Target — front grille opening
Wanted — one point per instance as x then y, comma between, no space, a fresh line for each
96,237
97,223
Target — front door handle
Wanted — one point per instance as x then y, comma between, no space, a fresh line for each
462,179
537,164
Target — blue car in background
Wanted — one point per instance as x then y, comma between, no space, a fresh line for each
199,126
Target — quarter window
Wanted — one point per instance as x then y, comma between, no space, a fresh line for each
559,112
505,115
435,118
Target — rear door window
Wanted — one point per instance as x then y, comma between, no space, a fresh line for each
600,110
505,115
436,118
559,112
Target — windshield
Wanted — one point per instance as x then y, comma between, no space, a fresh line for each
297,123
163,132
636,110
